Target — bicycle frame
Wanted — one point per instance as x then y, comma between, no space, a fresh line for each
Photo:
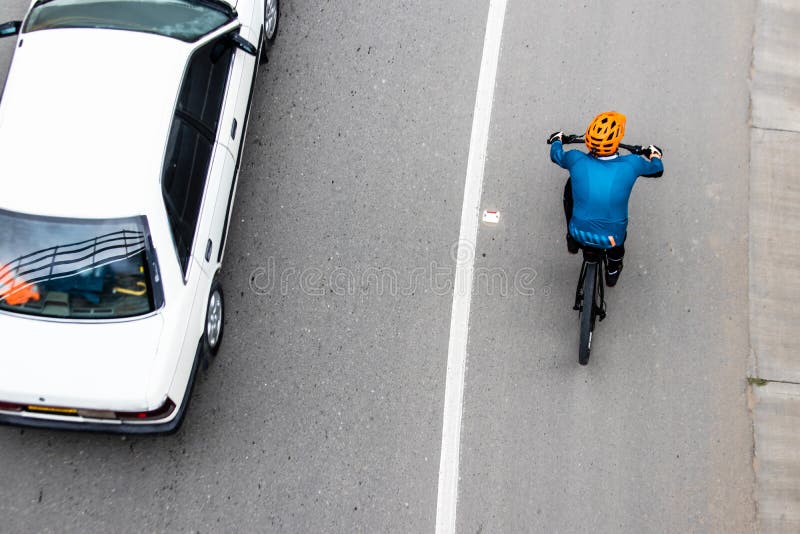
598,256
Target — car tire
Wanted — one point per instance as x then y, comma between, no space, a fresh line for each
272,15
215,319
271,19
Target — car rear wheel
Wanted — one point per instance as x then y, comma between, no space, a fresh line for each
271,14
215,319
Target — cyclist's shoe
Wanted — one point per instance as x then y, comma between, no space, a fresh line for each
572,245
613,276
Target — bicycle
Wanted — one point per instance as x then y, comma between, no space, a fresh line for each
590,292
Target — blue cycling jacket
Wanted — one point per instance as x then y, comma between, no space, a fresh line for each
600,190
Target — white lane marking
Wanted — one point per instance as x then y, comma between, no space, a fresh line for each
462,295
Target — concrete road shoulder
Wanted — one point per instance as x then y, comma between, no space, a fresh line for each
774,284
776,407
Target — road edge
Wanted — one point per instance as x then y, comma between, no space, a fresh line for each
774,239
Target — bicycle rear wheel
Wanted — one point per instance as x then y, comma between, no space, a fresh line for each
588,313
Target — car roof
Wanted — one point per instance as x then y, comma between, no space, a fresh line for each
84,120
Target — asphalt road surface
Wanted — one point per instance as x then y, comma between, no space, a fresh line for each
323,410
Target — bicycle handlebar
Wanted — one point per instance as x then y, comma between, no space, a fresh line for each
639,150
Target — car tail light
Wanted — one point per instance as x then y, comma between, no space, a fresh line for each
10,407
159,413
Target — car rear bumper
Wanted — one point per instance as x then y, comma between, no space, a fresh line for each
111,427
170,424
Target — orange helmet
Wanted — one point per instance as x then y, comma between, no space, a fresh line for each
604,133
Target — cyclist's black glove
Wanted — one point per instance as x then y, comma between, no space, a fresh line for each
652,152
555,136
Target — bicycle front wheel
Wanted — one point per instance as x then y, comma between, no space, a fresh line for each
587,313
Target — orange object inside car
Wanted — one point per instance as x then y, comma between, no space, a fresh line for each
16,292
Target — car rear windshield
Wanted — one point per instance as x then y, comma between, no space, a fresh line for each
75,269
187,20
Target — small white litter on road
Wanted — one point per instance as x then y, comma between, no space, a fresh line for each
491,217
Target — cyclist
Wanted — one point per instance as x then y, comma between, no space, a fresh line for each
596,193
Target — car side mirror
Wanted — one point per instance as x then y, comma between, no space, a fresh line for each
9,29
244,44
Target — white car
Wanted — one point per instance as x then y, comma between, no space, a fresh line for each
121,131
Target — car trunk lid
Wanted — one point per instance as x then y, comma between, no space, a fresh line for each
94,365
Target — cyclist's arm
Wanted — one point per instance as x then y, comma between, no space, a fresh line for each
649,168
563,158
